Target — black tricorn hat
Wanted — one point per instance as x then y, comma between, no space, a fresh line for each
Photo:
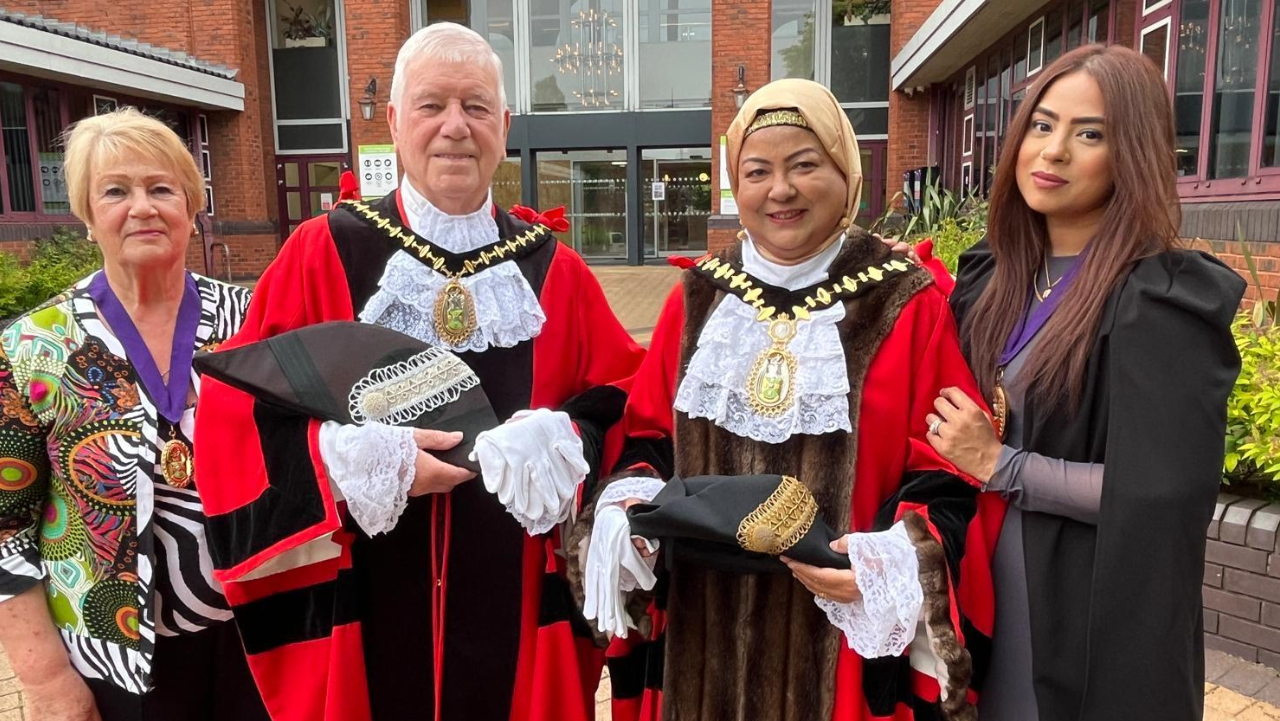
738,523
356,373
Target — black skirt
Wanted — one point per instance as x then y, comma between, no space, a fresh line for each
197,677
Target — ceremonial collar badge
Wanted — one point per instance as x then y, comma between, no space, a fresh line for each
454,314
771,384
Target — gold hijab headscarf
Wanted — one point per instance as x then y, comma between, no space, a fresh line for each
822,114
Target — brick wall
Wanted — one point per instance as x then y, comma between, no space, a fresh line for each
733,22
1242,580
375,31
908,115
1266,258
229,32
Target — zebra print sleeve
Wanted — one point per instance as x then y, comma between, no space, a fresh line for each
24,479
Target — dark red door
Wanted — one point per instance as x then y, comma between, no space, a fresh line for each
308,186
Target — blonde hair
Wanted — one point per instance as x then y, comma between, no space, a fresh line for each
102,139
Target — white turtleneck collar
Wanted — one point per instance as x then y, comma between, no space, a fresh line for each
454,233
792,277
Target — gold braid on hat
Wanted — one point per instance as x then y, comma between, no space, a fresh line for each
776,117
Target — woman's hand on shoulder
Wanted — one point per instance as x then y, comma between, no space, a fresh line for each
963,434
899,246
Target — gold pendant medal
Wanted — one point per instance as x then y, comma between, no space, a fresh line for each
455,316
771,383
175,462
999,406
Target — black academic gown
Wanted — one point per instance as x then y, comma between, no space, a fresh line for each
1116,620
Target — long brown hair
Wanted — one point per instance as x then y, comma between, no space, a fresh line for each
1141,219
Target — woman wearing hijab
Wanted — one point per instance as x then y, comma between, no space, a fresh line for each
807,350
1109,358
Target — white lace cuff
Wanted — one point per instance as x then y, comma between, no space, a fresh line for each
640,487
372,468
882,622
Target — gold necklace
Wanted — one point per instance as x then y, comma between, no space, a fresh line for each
771,383
1049,284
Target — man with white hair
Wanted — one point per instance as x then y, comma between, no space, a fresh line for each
370,579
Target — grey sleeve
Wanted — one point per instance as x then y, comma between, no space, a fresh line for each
1033,482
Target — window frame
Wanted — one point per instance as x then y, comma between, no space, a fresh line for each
1167,24
1259,182
69,96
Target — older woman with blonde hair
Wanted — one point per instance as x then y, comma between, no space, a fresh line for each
107,607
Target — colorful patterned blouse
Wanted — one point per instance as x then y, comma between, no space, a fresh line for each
83,506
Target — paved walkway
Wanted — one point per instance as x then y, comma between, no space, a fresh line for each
637,294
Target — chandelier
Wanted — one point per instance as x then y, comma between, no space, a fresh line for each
593,56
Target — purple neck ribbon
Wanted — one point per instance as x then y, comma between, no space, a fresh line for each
1034,320
170,399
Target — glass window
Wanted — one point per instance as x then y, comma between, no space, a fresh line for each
1053,36
17,149
1020,57
1035,47
677,200
1075,23
675,53
494,20
1271,140
577,61
1155,45
869,121
792,39
991,121
508,188
1233,88
48,125
592,185
1099,20
302,24
855,47
1006,88
1188,84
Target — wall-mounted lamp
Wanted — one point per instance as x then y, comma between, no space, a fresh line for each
740,90
370,99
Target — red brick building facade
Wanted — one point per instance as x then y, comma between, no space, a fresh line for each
269,95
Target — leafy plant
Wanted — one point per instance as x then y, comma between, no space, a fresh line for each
953,221
1253,410
301,23
56,264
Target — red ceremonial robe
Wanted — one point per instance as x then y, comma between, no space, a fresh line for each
919,354
352,636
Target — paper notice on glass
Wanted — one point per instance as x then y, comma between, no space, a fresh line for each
659,190
326,201
377,170
728,206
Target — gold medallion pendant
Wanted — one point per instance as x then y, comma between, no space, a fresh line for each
771,383
175,463
455,319
999,406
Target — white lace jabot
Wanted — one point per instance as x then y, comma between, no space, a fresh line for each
715,383
507,311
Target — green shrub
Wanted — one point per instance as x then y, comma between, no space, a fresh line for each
953,221
1253,410
56,264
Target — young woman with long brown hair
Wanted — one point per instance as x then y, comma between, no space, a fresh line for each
1107,355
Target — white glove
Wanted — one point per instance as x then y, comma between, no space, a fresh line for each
614,567
533,464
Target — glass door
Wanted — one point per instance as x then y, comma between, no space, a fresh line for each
676,200
308,187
